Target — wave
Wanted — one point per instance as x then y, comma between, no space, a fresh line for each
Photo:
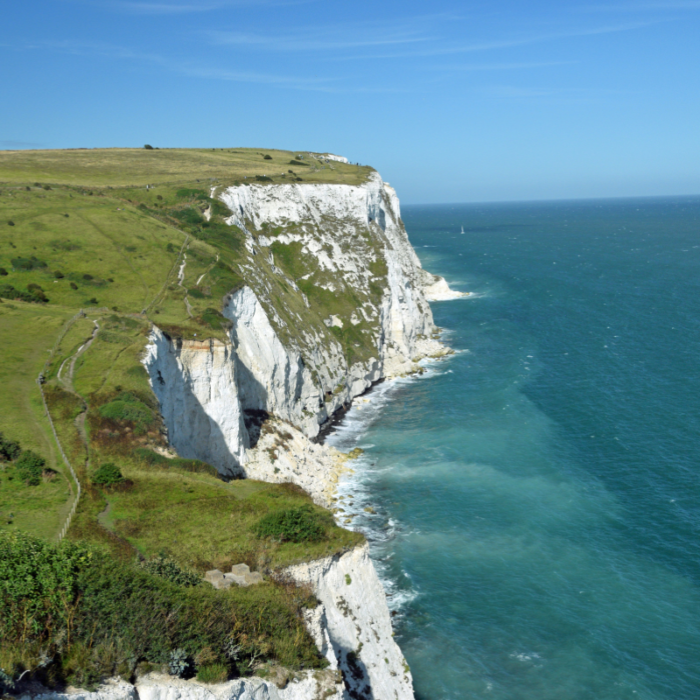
356,504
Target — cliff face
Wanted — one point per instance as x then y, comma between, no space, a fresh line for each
353,311
333,300
352,626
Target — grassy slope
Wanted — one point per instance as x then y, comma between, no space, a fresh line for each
28,332
96,220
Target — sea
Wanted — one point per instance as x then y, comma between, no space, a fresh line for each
532,503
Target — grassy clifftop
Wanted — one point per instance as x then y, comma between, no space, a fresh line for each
79,230
122,167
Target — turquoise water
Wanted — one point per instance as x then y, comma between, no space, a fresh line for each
537,496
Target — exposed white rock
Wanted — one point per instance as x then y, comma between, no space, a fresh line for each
308,685
356,620
196,385
330,156
270,376
284,454
440,291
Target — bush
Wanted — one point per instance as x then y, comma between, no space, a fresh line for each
263,178
73,285
95,616
3,272
178,664
30,467
37,291
215,320
127,407
27,264
9,449
93,300
107,474
189,216
148,147
267,157
169,570
58,274
212,673
9,292
302,524
10,223
88,276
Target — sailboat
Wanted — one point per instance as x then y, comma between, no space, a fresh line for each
462,230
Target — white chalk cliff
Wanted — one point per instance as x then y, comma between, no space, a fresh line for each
334,300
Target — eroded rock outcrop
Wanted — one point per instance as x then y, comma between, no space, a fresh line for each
352,626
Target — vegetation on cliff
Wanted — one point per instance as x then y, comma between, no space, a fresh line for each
72,614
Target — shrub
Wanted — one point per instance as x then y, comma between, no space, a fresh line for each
169,570
47,187
27,263
93,300
159,197
3,272
30,467
302,524
298,162
58,274
88,277
9,449
10,223
96,616
215,320
218,208
148,147
9,292
263,178
178,664
37,291
189,216
267,157
73,285
108,474
212,673
129,408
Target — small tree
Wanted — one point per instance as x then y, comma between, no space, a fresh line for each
148,147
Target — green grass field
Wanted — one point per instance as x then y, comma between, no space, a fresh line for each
123,167
80,229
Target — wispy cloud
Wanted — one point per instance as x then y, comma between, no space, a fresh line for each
194,69
505,66
643,6
321,40
441,48
180,8
560,94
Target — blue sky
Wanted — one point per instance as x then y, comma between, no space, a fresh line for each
450,101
